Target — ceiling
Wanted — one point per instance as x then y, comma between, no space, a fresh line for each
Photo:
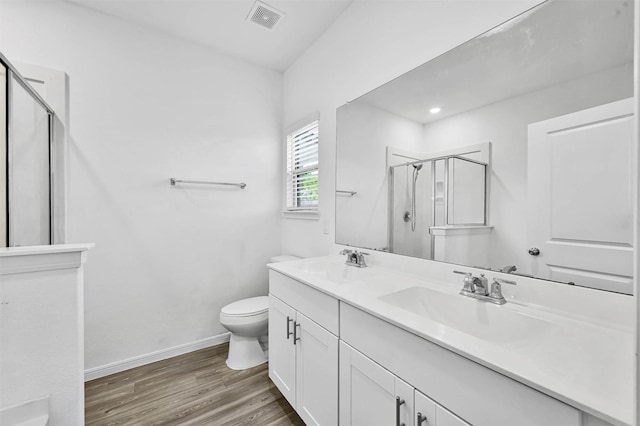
553,43
222,24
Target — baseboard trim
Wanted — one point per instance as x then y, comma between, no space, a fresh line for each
137,361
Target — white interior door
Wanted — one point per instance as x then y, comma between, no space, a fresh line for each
581,197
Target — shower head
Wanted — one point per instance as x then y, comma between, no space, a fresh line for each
418,166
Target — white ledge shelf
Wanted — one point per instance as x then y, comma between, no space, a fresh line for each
19,260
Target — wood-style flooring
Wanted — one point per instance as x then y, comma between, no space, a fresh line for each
192,389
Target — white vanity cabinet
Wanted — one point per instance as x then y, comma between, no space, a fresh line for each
370,394
475,393
338,364
303,349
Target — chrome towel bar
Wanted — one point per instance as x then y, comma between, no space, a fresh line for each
204,182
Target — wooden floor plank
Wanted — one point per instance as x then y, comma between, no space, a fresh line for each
192,389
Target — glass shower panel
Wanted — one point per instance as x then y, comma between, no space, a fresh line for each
411,209
29,174
439,197
3,157
466,192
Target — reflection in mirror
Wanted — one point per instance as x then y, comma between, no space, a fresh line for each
510,152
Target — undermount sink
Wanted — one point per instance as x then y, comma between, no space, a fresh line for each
332,271
476,318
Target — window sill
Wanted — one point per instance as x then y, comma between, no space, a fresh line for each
301,214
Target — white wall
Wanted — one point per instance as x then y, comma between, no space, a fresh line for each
145,107
368,45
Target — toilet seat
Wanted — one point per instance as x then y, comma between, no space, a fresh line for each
243,319
251,307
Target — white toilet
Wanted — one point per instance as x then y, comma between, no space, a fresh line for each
247,320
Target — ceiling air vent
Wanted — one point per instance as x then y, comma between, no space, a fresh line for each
265,15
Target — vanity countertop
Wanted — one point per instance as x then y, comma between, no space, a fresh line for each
585,362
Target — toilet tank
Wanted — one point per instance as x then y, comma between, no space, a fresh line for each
283,258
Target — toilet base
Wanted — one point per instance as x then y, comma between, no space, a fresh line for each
244,352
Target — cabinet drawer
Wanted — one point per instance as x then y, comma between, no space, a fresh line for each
477,394
315,305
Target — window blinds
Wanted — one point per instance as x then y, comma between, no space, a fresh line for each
302,168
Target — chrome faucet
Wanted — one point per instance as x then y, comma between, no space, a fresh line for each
496,290
509,269
478,288
355,258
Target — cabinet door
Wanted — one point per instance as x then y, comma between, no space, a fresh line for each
404,403
282,352
426,409
367,391
446,418
316,373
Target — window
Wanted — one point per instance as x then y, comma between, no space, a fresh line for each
302,169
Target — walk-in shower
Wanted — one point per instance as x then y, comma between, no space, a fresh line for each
26,123
431,197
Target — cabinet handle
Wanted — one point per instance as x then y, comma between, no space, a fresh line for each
295,332
399,402
421,419
289,333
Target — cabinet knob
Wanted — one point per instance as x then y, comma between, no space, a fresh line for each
534,251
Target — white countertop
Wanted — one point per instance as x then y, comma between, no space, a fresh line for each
586,363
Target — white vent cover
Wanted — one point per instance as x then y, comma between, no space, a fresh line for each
265,15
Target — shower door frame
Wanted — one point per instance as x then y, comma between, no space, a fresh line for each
11,75
460,156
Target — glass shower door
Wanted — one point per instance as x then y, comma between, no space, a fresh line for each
4,222
29,169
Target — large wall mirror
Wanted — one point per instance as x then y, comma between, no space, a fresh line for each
511,152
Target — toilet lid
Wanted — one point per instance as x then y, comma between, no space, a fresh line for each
246,307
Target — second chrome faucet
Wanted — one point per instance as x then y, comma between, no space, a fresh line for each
355,258
478,288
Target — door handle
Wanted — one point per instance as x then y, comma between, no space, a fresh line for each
534,251
421,419
289,333
295,332
399,402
